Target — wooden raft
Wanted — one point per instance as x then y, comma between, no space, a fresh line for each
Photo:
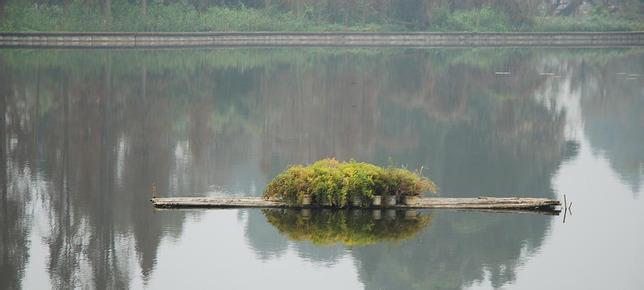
486,203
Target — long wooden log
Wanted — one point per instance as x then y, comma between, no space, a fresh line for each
487,203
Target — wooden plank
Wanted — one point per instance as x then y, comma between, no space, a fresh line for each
215,202
488,203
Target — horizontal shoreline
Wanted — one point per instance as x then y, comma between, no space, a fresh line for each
347,39
475,203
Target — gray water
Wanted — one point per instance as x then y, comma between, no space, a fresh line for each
88,135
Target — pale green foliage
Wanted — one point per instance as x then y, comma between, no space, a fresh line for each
586,23
475,20
178,16
304,15
329,181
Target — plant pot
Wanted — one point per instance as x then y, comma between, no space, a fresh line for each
326,203
356,201
410,199
389,200
377,200
306,200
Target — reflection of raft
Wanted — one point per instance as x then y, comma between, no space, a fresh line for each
348,227
486,203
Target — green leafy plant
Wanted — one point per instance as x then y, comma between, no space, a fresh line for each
401,181
332,182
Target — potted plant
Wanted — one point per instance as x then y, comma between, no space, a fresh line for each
376,200
356,201
390,200
331,183
326,199
305,199
362,197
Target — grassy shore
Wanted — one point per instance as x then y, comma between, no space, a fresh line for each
25,16
19,16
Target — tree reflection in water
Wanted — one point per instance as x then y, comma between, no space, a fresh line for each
86,133
14,221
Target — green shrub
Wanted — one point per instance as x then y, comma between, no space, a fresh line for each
326,184
597,22
291,185
179,16
329,181
401,181
473,20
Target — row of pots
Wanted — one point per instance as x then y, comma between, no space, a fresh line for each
376,201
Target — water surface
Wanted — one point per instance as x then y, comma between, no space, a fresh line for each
90,135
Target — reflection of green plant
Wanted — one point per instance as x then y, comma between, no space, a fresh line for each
333,182
356,227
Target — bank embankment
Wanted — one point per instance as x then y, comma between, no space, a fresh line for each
349,39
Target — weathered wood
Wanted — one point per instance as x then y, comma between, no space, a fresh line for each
487,203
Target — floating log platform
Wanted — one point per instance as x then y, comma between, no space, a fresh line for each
483,203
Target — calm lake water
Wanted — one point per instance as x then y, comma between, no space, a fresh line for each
88,134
